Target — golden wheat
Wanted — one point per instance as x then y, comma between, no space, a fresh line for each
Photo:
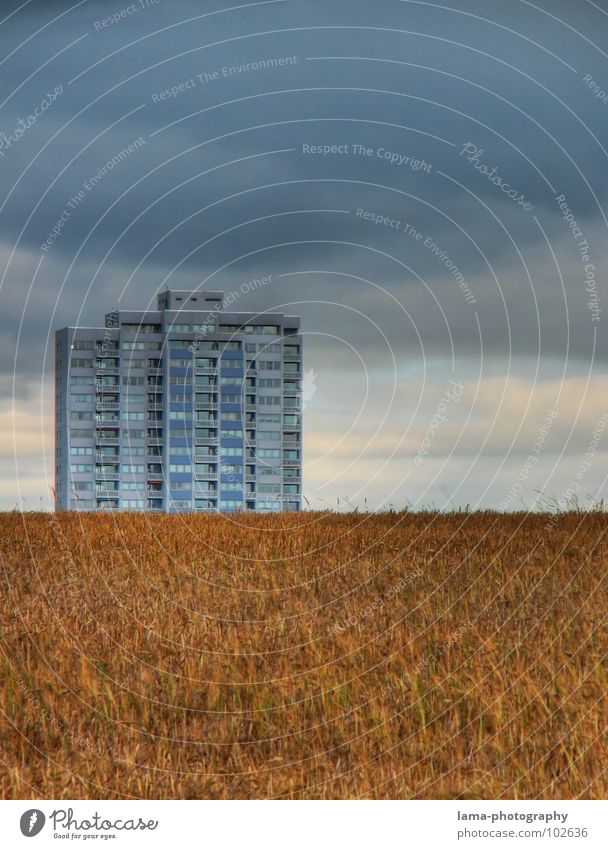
317,655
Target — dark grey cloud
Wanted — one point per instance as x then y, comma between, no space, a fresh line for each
204,198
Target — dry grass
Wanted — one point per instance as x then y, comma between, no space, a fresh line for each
303,656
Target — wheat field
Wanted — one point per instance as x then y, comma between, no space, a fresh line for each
303,656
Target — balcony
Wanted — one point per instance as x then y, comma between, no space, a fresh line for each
106,458
102,351
100,439
155,440
210,372
205,405
155,493
108,406
205,493
111,371
206,440
208,476
155,406
106,387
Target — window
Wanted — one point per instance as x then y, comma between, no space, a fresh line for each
291,420
180,328
270,383
81,399
180,363
269,452
81,381
133,398
231,363
291,366
80,486
250,348
180,451
230,432
291,488
204,504
291,455
181,486
179,344
132,433
77,468
81,416
269,400
132,470
269,434
231,381
205,362
229,504
130,485
269,418
141,328
269,488
133,417
133,381
270,364
133,504
135,364
180,380
77,362
231,469
269,505
136,451
82,345
291,350
202,469
231,452
181,468
133,346
80,433
231,417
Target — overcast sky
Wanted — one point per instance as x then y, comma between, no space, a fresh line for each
455,322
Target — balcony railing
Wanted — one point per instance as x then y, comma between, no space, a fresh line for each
206,440
107,440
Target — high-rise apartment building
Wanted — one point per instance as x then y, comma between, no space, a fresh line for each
187,407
